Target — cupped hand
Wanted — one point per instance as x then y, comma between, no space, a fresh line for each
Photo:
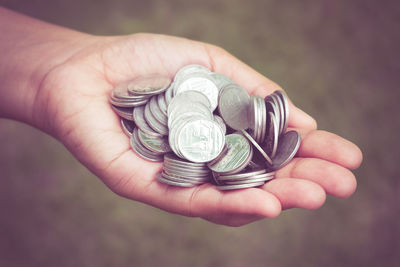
72,103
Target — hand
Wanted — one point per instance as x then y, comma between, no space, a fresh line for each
72,104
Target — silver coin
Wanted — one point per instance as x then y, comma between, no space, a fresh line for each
120,91
153,122
141,150
259,116
214,177
277,113
173,158
285,102
149,84
126,113
200,140
188,97
179,171
273,142
234,106
279,117
138,117
156,144
172,136
282,114
242,175
180,165
162,179
186,166
128,104
200,83
221,80
257,146
239,151
288,146
188,112
265,176
162,104
221,123
255,180
156,111
190,69
271,106
239,186
179,179
263,118
188,176
127,126
242,166
169,93
253,116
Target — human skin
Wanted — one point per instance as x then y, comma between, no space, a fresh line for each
58,80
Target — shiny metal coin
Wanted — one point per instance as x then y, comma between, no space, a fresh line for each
288,146
126,113
239,186
221,123
271,107
265,176
169,93
161,178
221,80
138,117
189,112
141,150
257,146
156,111
263,119
149,84
281,115
155,144
200,83
253,117
242,175
234,106
285,102
190,69
179,179
234,160
127,126
277,112
153,122
188,97
128,104
179,171
120,91
162,104
182,165
170,157
271,143
200,140
255,180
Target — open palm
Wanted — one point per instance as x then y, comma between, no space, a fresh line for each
73,99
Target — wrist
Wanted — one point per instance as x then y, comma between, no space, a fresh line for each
31,50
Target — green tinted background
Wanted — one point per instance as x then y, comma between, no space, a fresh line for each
338,61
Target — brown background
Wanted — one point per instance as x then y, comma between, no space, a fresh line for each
338,60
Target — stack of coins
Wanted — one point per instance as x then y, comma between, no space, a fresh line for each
248,178
180,172
202,123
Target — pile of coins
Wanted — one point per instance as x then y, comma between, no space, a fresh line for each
202,125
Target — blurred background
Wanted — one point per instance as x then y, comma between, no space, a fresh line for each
338,60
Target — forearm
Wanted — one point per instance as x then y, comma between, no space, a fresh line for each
29,50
